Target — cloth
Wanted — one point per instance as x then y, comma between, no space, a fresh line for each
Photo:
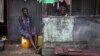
25,25
49,1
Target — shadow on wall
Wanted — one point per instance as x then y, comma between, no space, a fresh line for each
87,29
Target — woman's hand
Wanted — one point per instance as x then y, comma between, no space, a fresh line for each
29,30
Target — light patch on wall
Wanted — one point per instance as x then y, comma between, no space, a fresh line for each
58,29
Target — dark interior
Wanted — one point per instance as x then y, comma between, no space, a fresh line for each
3,26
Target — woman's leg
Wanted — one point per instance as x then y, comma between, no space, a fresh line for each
32,42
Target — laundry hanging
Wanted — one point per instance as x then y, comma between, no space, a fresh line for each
47,1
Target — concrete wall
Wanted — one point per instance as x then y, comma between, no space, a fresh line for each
86,29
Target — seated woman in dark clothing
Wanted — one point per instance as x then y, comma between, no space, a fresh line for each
25,26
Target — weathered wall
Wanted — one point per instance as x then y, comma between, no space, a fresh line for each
85,28
58,29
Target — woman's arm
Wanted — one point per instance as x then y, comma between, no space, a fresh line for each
20,21
30,26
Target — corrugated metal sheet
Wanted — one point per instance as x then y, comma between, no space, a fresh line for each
88,7
14,11
84,7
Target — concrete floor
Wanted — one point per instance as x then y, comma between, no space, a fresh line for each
15,50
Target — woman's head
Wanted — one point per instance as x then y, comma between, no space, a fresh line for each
62,10
25,11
